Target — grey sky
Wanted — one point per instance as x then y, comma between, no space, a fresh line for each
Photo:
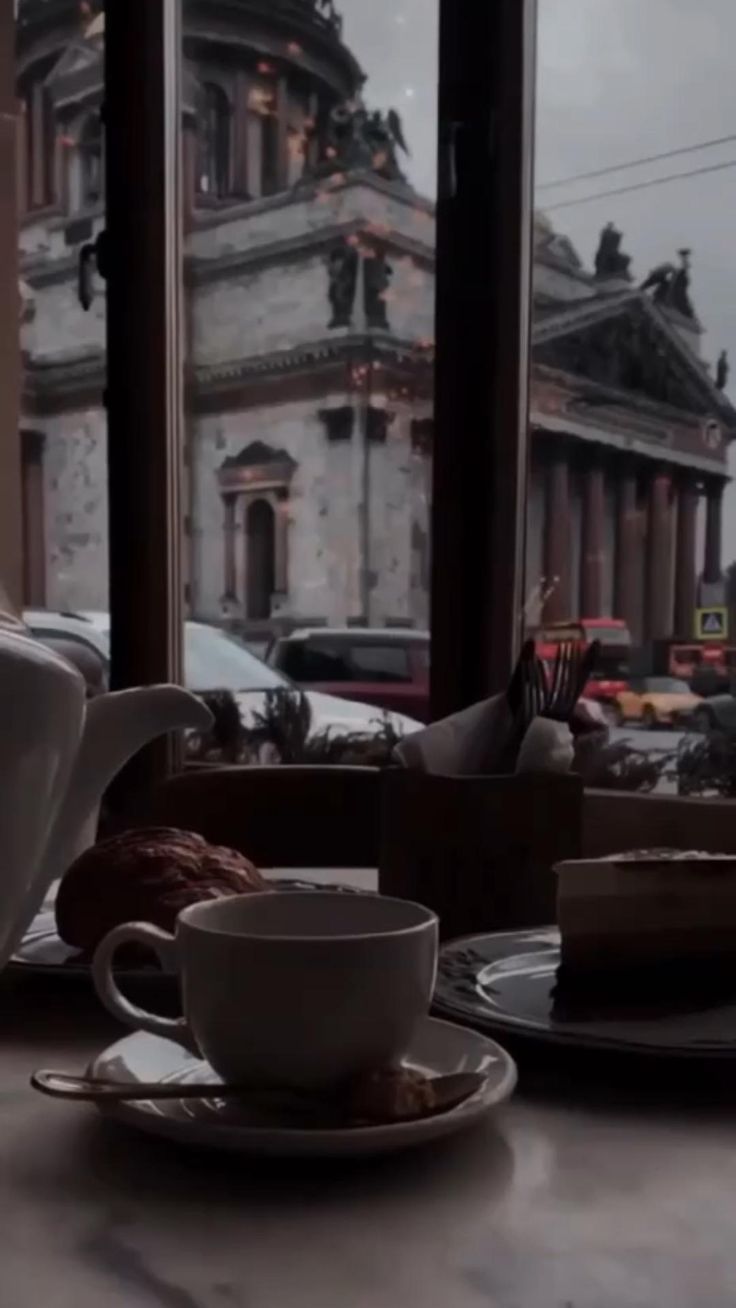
617,79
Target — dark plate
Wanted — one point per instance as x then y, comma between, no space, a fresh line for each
44,953
504,983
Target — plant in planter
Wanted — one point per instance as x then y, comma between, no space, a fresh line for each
281,732
613,765
225,742
706,765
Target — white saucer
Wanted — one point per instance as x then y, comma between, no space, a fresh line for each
438,1049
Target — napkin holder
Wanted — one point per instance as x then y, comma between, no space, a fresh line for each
479,850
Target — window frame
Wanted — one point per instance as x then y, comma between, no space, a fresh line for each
483,309
144,206
12,206
487,75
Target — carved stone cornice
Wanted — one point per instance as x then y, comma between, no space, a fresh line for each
66,385
307,191
311,371
295,248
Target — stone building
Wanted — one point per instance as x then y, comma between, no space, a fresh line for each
309,280
630,432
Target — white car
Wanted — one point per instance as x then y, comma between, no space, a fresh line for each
214,660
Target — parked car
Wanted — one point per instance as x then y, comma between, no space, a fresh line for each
656,702
718,713
387,667
213,660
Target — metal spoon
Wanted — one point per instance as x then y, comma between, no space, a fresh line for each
449,1091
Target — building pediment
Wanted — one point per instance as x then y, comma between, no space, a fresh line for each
626,344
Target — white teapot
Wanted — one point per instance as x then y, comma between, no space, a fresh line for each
58,754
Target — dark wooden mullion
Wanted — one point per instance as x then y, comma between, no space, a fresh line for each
145,384
484,217
11,568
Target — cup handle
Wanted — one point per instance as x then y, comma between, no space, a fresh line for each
164,946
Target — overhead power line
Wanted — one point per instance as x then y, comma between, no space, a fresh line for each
636,163
641,186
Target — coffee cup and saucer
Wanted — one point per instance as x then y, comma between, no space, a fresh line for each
294,993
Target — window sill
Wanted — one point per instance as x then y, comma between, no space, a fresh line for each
613,821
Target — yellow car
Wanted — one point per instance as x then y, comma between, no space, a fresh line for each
656,702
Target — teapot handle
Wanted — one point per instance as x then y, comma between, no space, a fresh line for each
165,948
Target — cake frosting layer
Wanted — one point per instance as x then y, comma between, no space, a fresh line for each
632,910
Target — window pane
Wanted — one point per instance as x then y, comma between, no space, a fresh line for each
380,662
315,661
61,163
310,275
631,517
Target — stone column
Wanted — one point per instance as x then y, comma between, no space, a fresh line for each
658,607
593,545
628,556
713,532
557,537
229,539
685,579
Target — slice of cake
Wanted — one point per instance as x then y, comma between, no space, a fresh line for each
662,911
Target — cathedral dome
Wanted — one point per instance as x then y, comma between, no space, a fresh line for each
307,33
303,33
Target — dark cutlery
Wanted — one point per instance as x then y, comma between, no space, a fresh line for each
570,673
289,1108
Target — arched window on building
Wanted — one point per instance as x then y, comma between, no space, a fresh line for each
260,532
91,162
215,152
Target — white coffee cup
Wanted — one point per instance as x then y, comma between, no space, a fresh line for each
285,988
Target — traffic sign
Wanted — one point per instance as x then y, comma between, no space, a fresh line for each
711,623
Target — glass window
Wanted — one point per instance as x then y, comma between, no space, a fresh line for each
631,515
316,661
63,430
215,661
380,663
310,319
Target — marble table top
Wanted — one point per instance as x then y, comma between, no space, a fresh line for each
598,1186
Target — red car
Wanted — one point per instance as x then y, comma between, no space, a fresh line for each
388,667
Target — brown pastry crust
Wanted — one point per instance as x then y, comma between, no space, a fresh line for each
146,875
389,1095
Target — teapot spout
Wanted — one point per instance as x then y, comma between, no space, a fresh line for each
117,726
